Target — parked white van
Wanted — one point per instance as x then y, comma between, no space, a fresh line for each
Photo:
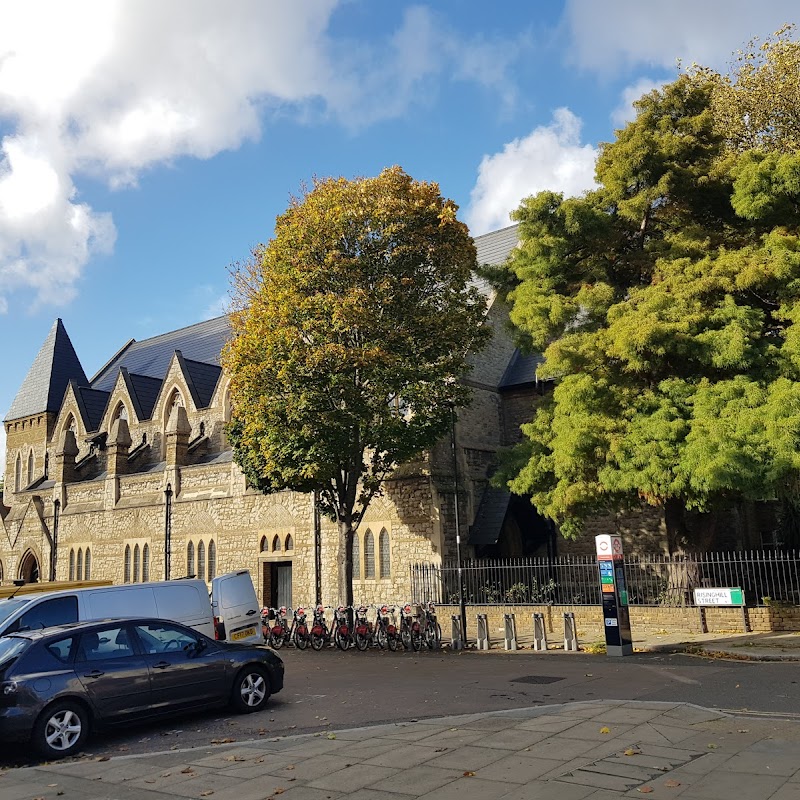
232,612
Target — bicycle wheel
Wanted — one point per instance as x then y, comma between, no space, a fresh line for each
381,637
276,640
301,638
392,640
433,636
405,638
416,640
362,640
342,641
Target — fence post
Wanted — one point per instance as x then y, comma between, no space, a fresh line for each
570,631
483,632
456,642
539,632
510,626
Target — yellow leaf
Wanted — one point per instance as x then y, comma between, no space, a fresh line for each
604,729
645,789
632,751
469,774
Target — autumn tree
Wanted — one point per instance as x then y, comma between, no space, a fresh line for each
351,330
667,304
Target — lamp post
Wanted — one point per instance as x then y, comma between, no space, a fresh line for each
462,607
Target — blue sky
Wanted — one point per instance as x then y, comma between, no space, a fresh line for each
145,146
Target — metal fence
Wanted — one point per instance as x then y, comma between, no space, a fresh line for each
652,580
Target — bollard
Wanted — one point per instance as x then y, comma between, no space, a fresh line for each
456,643
539,633
483,632
570,632
510,626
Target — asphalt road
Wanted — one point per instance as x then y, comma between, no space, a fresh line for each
331,689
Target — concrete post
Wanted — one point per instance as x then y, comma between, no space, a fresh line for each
483,632
570,632
539,632
456,642
510,632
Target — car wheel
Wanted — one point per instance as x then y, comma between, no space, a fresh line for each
61,729
250,690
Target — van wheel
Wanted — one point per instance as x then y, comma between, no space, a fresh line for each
61,729
250,690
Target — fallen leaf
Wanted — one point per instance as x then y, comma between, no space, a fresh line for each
278,791
51,785
290,766
104,758
165,774
743,730
440,750
331,735
59,792
645,789
234,758
469,774
672,784
187,770
222,741
589,675
712,746
604,729
149,780
632,751
206,793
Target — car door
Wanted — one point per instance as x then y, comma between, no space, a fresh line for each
186,668
236,606
116,678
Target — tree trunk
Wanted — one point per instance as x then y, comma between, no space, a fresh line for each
675,520
345,559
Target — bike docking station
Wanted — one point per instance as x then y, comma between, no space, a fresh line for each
616,617
570,632
482,635
539,632
456,642
510,632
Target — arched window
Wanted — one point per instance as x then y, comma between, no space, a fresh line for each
121,412
383,549
71,564
127,571
30,468
190,559
46,465
356,557
175,401
369,554
212,561
18,473
263,546
71,425
1,571
79,565
146,563
137,563
289,542
276,543
87,565
201,560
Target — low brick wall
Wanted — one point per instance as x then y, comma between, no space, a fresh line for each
645,620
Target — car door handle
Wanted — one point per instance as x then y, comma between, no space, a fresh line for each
251,612
95,673
162,665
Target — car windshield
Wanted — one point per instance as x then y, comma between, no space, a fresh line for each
9,606
10,649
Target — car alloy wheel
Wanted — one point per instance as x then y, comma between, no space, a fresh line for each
61,730
251,690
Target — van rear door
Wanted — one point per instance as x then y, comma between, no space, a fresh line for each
233,598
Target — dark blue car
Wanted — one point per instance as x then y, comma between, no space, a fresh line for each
58,684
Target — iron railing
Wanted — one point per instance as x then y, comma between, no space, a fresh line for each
767,577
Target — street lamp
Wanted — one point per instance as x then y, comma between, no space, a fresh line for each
462,607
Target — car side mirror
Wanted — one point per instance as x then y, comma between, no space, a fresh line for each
195,648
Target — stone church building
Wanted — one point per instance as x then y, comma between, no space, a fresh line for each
127,475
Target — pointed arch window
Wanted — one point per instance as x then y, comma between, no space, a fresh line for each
127,570
71,564
137,563
369,554
87,565
46,465
212,560
383,549
146,563
79,565
121,412
276,543
289,542
356,557
263,546
30,467
18,473
190,559
71,425
201,560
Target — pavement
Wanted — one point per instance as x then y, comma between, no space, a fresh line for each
595,750
578,751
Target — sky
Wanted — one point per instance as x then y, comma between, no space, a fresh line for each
145,146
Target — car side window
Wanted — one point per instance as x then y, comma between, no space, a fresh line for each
112,642
56,611
63,649
159,637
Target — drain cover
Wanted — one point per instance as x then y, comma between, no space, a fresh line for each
536,679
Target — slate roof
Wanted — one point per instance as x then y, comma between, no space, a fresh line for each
493,248
93,403
490,517
521,370
47,379
143,391
202,379
201,342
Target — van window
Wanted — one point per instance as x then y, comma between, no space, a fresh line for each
10,606
55,611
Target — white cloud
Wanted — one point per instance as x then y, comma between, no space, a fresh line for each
625,112
616,33
109,88
551,157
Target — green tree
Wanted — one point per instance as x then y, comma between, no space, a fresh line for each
666,303
352,327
